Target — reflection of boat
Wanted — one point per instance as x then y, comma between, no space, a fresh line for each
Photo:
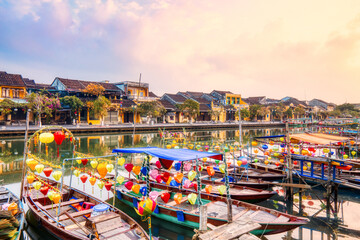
75,219
11,215
255,174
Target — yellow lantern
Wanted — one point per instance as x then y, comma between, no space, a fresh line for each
254,143
31,163
46,137
57,175
102,169
39,168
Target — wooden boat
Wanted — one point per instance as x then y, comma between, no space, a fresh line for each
12,220
253,174
75,221
185,214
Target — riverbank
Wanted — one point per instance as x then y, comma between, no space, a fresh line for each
11,131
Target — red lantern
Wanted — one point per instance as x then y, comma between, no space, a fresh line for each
59,137
44,190
108,186
165,197
83,178
165,176
47,171
84,161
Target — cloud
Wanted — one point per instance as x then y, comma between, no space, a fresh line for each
253,48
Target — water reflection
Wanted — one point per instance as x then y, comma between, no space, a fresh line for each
11,152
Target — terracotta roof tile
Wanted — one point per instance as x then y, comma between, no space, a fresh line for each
79,85
7,79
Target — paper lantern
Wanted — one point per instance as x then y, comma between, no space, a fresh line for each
222,168
266,162
84,161
154,195
256,151
32,164
154,173
239,163
244,162
77,173
129,185
121,161
101,168
282,160
135,188
129,167
187,183
109,167
144,170
46,137
56,197
59,137
208,189
30,179
178,198
158,179
146,207
92,181
177,166
57,175
264,146
39,168
143,190
83,178
158,164
326,150
108,186
295,162
120,179
78,161
165,176
210,171
345,156
221,189
37,185
47,171
100,184
256,160
94,163
353,153
282,139
304,168
168,146
165,197
136,170
192,198
217,162
44,190
187,166
254,143
277,164
50,195
178,177
352,142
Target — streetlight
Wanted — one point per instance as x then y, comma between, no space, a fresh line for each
134,122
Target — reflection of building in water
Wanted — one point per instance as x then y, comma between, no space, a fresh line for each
12,167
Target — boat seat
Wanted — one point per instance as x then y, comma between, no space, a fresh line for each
74,215
47,207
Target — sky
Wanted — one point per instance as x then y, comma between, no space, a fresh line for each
305,49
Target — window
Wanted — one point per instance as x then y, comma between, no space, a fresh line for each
238,100
228,100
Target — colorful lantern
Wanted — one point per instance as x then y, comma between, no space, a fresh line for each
239,163
165,176
39,168
46,137
154,195
57,175
208,189
108,186
165,196
94,163
83,178
84,161
30,179
56,197
44,190
121,161
221,189
178,198
158,164
222,168
136,170
135,188
143,190
129,185
32,164
146,207
47,171
77,173
120,179
178,177
109,167
59,137
101,168
210,171
154,173
192,198
129,167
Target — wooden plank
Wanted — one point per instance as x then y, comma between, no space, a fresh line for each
74,215
103,217
295,185
64,203
173,203
74,226
248,236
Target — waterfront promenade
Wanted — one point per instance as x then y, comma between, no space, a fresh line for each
11,131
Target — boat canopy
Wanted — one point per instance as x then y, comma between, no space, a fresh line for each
274,136
318,138
170,154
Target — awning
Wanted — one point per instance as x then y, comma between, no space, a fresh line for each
170,154
322,139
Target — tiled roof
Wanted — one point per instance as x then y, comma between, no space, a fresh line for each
151,94
44,86
201,100
195,94
7,79
29,82
176,97
204,107
167,105
79,85
290,100
222,92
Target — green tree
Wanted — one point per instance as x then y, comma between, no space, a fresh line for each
299,111
99,107
151,109
244,113
94,89
280,110
40,104
190,108
7,106
73,102
254,111
288,113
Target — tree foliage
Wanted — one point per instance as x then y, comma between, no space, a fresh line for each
94,89
254,111
151,109
190,108
288,113
73,102
244,113
6,106
99,107
42,104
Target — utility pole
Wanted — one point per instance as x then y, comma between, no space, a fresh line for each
289,190
240,132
